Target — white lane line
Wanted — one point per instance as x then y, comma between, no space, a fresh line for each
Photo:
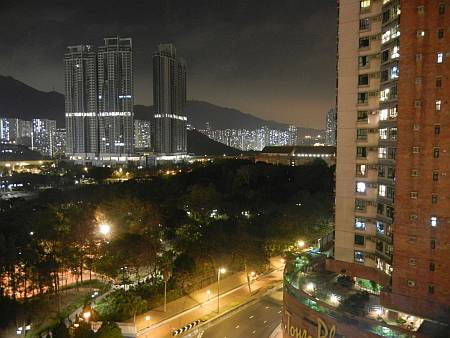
237,327
251,316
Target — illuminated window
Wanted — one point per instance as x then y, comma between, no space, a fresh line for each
411,283
360,223
359,256
361,187
420,33
382,190
414,194
440,57
364,4
380,227
386,36
383,114
382,152
395,52
433,221
383,133
414,172
384,94
438,105
394,72
361,170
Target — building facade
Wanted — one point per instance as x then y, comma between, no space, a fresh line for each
115,97
43,136
15,131
330,130
392,208
99,99
80,72
169,95
142,134
391,154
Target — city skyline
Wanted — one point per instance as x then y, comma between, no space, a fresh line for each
291,85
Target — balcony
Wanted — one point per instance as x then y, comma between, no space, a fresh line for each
325,292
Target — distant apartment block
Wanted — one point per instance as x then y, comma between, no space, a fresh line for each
142,134
169,95
43,136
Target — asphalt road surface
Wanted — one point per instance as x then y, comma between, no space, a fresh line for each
257,321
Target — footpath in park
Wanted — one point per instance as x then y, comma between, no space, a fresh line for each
202,304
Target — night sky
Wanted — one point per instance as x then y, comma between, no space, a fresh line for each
272,58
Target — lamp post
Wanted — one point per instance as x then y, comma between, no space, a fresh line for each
219,272
105,229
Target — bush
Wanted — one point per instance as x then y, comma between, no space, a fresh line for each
355,304
109,330
120,306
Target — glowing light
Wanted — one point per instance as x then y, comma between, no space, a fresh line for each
300,244
222,270
310,287
147,318
334,299
87,315
105,229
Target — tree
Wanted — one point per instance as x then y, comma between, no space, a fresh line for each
60,331
109,330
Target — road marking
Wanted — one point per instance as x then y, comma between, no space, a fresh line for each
254,331
265,321
267,307
279,311
237,326
251,316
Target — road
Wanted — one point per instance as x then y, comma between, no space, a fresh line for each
199,304
258,320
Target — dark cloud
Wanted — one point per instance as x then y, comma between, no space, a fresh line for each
275,59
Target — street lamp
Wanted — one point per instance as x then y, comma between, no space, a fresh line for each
87,315
219,272
105,229
208,293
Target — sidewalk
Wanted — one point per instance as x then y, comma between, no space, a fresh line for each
201,305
